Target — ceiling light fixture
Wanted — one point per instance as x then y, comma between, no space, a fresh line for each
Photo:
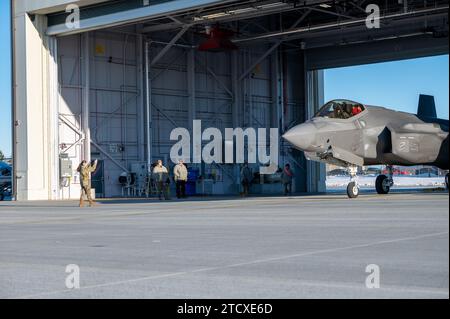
243,10
272,5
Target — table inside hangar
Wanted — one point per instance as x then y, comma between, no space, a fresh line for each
115,83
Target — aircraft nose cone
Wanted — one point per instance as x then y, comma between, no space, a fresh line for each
302,136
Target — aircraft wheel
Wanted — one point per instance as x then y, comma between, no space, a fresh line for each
352,190
381,185
2,197
446,181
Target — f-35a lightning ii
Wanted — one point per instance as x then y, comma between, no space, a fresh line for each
350,134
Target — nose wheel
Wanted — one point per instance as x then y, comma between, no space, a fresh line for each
353,186
352,190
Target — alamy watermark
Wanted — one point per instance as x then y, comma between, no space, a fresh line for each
73,277
373,279
373,16
73,18
222,148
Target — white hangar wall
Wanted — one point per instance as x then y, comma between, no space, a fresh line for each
34,147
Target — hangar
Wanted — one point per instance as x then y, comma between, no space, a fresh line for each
114,83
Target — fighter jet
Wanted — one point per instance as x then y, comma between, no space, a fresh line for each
350,134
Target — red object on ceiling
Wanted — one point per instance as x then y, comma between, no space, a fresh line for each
219,41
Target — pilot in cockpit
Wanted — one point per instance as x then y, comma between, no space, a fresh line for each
341,111
356,110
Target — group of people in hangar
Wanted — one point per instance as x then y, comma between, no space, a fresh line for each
161,178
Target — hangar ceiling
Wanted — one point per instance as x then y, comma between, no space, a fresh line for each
294,19
422,25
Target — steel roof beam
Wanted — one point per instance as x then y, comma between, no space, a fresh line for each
274,47
133,16
362,21
227,18
169,45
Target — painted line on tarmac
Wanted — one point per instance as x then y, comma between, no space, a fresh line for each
248,263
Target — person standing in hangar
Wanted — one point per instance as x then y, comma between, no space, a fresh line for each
180,175
286,178
161,176
85,171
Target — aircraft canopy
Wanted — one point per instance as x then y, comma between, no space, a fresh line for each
340,109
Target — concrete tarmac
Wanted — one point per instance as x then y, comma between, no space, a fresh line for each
264,247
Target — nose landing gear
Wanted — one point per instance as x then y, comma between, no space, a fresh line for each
384,183
353,187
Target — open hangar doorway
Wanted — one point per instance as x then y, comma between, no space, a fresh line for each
183,84
131,115
243,78
400,91
145,75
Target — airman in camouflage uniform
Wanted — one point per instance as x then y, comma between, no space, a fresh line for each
85,171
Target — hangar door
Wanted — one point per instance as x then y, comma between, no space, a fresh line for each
102,83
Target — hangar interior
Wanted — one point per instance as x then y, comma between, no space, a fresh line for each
119,87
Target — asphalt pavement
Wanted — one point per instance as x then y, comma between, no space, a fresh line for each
324,246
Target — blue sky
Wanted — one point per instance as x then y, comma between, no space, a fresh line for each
5,79
394,84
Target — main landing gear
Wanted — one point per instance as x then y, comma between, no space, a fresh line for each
353,187
384,183
446,181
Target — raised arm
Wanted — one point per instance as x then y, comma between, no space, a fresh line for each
92,168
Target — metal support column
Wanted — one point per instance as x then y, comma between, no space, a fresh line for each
235,88
281,91
236,107
54,114
140,105
276,111
191,86
192,111
148,103
86,94
316,172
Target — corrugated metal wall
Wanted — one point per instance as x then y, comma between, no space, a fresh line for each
116,100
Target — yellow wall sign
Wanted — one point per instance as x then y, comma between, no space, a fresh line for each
99,49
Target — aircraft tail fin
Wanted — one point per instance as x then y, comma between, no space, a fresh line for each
427,107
